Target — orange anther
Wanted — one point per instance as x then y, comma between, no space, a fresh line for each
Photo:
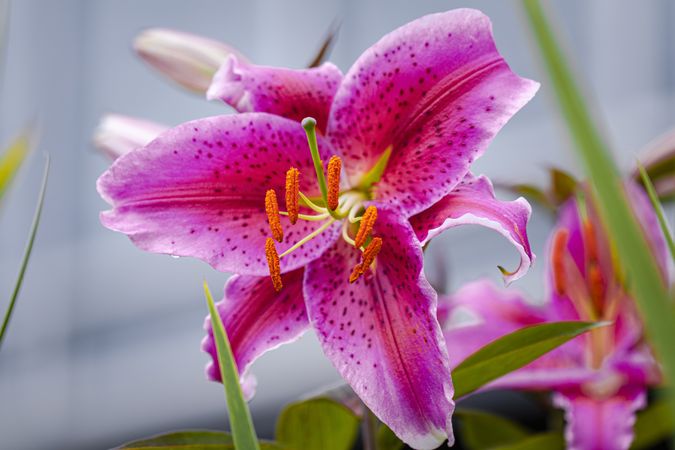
558,255
367,259
292,191
366,226
596,285
273,264
272,210
590,240
334,167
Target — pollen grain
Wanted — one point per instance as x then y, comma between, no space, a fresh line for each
273,264
272,210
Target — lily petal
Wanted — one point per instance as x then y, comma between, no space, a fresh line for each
473,202
437,91
117,135
187,59
199,190
382,335
257,319
601,424
294,94
480,312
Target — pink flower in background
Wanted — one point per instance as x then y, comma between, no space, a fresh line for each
401,130
599,379
117,135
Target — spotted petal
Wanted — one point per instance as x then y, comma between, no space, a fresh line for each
382,335
437,91
601,424
473,202
198,190
257,319
294,94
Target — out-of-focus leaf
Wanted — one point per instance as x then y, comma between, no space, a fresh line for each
563,185
341,393
191,440
658,159
658,209
481,430
327,45
653,425
241,424
512,352
532,193
318,423
11,160
387,440
548,441
26,254
634,252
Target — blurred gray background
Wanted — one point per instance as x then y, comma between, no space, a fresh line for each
104,345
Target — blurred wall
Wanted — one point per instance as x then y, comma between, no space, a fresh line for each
104,345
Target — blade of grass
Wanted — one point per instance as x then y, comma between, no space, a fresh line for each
645,280
326,46
241,423
11,160
26,254
654,198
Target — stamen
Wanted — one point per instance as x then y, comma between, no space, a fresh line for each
558,260
273,264
368,258
333,195
308,217
366,226
595,286
309,237
272,210
310,204
292,191
590,241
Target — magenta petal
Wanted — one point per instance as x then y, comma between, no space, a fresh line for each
198,190
294,94
257,319
473,202
437,91
382,335
601,424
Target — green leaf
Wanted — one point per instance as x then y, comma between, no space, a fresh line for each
647,182
563,185
532,193
11,160
26,253
387,440
375,173
191,440
327,46
635,254
240,417
482,430
653,425
317,424
512,352
549,441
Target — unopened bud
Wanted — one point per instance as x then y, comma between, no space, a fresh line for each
117,135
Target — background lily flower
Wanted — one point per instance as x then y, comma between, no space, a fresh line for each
187,59
117,135
403,127
600,379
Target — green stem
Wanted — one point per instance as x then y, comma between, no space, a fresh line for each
658,208
369,429
309,124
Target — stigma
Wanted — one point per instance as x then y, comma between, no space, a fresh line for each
334,205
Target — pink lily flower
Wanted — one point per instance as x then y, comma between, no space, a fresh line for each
600,379
400,129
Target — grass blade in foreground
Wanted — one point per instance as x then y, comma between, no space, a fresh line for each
654,198
240,417
11,160
26,254
634,252
512,352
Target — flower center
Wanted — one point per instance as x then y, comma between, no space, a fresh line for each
333,206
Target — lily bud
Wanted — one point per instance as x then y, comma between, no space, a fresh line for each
658,159
187,59
117,134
